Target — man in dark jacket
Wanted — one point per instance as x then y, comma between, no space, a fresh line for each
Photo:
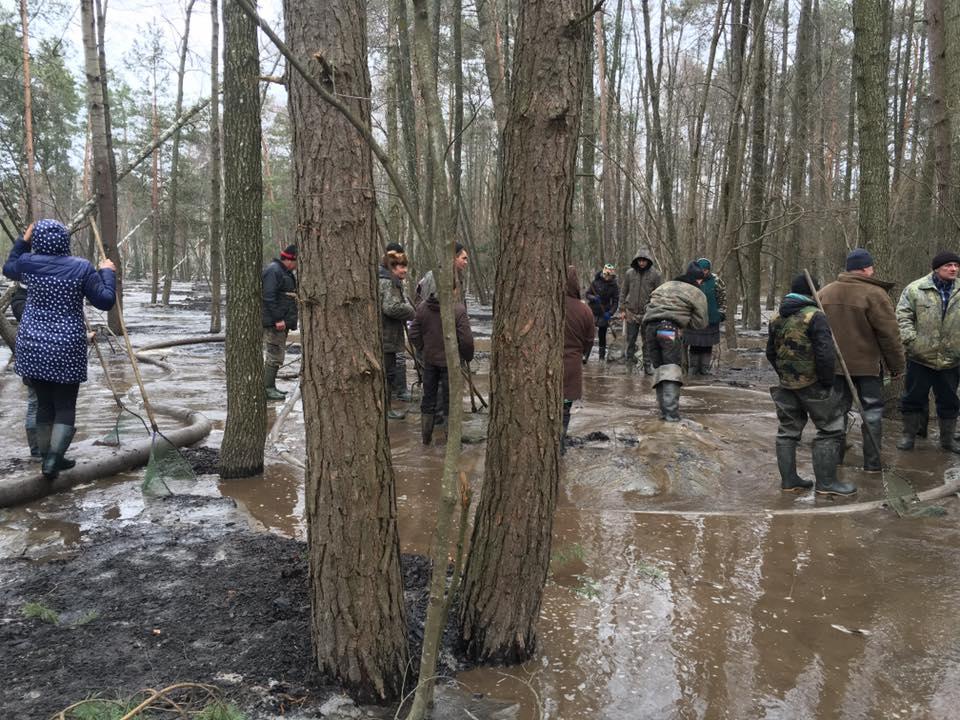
279,315
674,307
603,296
800,348
577,340
863,321
426,336
641,280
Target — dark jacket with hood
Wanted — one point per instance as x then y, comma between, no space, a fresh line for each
395,310
800,344
426,332
52,337
578,334
277,304
603,296
638,285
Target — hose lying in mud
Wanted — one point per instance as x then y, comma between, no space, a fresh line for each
951,486
120,459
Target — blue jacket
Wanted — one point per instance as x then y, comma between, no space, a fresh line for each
52,338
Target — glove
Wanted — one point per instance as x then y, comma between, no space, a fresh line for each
606,316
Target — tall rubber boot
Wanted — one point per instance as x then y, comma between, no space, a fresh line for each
54,461
32,444
825,469
911,423
696,364
566,424
270,383
647,368
705,362
670,400
948,429
787,464
426,427
43,431
872,437
603,352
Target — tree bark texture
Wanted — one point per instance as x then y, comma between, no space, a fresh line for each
241,453
758,176
510,550
216,261
104,177
941,125
32,199
871,37
358,625
800,114
170,246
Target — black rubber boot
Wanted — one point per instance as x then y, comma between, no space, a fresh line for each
825,455
647,368
872,434
787,464
270,383
948,440
426,428
43,439
924,423
54,461
669,397
911,423
696,364
566,424
603,352
704,362
33,445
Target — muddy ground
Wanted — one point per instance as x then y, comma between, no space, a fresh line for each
185,593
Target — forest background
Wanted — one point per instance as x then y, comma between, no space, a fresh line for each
727,129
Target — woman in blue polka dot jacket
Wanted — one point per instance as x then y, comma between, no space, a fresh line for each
52,340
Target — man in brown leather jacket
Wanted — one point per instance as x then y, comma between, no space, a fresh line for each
864,323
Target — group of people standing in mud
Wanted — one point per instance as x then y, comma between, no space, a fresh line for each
920,338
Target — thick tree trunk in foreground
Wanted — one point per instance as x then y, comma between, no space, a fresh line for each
241,453
32,200
871,35
510,552
358,625
104,177
215,169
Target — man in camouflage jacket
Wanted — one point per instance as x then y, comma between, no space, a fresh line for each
800,348
929,318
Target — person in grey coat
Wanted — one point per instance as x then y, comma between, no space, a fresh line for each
395,310
639,283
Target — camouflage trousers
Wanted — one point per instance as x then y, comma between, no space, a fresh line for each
274,346
820,405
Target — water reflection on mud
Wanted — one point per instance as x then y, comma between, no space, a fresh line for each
645,616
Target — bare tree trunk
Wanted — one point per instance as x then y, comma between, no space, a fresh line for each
155,202
215,170
170,247
33,208
900,130
104,177
241,452
588,179
357,597
510,553
799,135
871,37
665,179
758,169
493,60
937,41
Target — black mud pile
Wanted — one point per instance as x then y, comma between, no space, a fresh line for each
186,593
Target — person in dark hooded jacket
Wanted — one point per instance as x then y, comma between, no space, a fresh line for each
51,343
395,311
278,315
641,280
578,334
603,296
800,348
426,336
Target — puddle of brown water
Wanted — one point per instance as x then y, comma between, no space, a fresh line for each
649,616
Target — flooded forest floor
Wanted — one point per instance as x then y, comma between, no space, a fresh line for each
676,590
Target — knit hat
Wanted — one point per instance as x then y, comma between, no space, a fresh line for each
393,247
858,259
694,272
290,253
944,257
799,285
704,263
609,269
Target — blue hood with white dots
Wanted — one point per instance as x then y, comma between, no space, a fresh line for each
50,238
